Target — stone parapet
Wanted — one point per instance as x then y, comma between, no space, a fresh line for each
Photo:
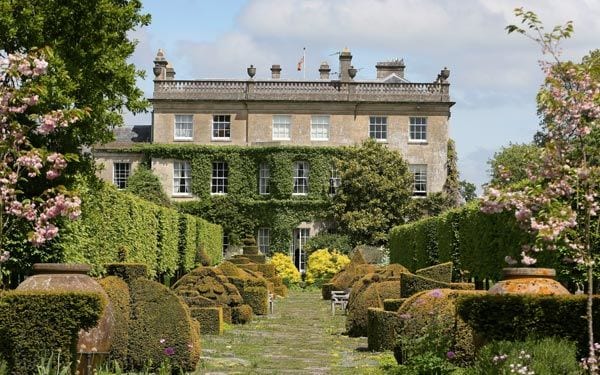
310,91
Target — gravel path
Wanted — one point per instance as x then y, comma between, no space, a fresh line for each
301,337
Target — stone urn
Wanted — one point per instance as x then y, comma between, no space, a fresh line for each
94,344
528,280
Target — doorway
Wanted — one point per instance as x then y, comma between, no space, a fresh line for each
301,235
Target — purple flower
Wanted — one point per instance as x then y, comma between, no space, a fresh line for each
450,355
169,351
436,293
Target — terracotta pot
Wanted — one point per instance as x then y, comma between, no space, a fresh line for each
525,280
73,277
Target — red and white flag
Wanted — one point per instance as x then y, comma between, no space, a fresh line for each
300,63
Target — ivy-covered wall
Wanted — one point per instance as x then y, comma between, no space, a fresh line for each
117,226
475,242
243,210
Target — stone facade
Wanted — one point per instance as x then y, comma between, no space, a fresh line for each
249,107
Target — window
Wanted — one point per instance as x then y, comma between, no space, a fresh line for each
220,174
334,180
263,240
221,127
264,177
420,179
378,128
319,128
281,127
300,178
121,173
418,129
184,126
182,178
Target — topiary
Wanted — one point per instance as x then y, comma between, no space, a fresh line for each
439,272
159,321
412,284
146,185
241,314
127,271
371,295
286,269
323,264
118,293
202,257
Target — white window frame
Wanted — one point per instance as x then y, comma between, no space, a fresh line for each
301,175
378,128
417,130
182,178
183,129
221,128
419,172
120,176
334,180
264,179
264,240
219,181
282,127
319,128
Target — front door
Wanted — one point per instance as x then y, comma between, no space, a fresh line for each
301,235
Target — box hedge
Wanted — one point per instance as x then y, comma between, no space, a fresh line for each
127,271
393,304
372,295
241,314
411,284
258,298
440,272
382,329
210,319
515,317
35,324
118,293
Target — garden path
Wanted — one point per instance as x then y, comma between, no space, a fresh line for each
301,337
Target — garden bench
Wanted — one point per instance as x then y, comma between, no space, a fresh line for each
339,298
271,302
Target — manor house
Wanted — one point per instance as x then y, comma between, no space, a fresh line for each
242,126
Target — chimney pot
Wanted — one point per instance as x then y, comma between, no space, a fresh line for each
345,64
275,71
385,68
324,70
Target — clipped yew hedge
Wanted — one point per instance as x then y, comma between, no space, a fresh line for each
472,240
35,324
119,227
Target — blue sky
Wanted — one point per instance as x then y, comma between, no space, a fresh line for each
494,76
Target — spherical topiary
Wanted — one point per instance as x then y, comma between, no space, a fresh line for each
118,293
209,283
161,327
431,317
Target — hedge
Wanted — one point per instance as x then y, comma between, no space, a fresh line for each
35,324
137,231
514,317
473,241
118,293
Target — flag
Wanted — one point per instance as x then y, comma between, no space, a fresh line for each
300,63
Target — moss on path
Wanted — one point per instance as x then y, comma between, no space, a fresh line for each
301,337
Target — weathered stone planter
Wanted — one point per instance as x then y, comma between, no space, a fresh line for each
73,278
525,280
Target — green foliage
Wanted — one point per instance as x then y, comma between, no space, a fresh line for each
452,185
375,189
509,165
411,284
34,324
468,191
173,324
393,304
118,294
517,317
381,329
256,297
331,241
545,356
146,185
286,269
323,264
135,231
89,65
475,242
440,272
210,319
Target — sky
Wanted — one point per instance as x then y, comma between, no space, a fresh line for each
494,76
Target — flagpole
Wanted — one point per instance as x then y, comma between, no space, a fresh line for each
304,60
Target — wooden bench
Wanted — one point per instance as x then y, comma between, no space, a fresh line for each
339,298
271,303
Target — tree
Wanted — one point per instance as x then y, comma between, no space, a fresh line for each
467,190
146,185
376,187
25,167
89,65
509,165
452,186
558,202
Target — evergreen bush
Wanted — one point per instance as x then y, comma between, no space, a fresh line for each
118,293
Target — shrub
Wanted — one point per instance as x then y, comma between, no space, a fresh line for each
173,324
241,314
206,286
146,185
381,329
440,272
393,304
330,241
168,241
209,318
118,293
323,264
411,284
286,269
545,356
371,295
210,238
127,271
258,298
34,324
516,317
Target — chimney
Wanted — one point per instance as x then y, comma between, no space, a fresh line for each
324,70
170,74
275,71
160,66
345,64
386,68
